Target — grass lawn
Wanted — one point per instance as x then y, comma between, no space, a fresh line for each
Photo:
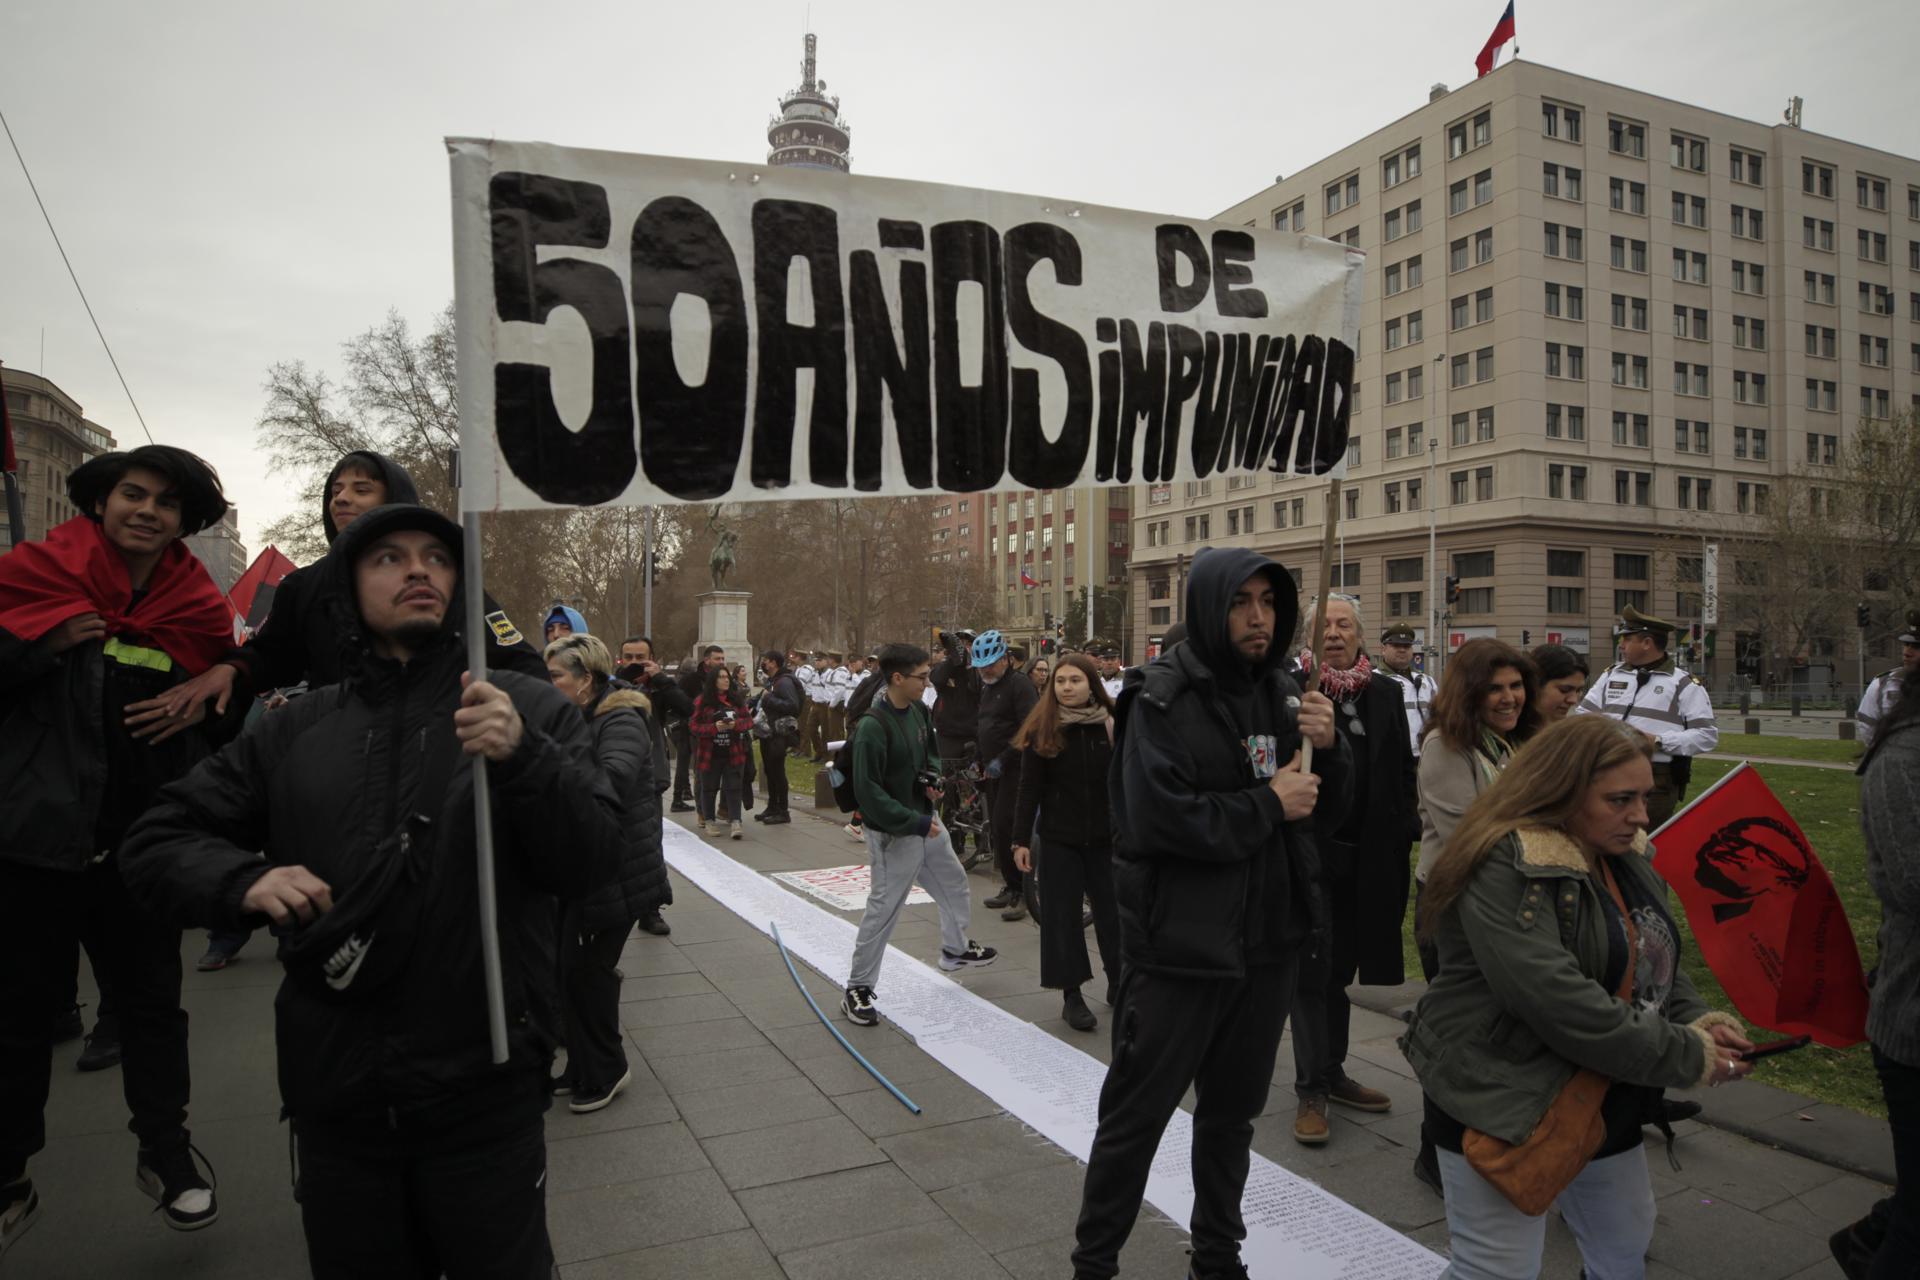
1825,802
1767,744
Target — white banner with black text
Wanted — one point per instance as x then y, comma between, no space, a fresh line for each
640,329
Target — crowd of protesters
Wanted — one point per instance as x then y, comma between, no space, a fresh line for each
1234,820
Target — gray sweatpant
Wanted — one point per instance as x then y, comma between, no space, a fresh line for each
896,862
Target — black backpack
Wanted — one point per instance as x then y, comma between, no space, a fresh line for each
840,768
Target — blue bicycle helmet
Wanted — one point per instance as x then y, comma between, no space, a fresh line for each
988,648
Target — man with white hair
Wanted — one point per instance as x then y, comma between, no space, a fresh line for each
1364,873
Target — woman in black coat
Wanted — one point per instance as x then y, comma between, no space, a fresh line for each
595,928
1066,745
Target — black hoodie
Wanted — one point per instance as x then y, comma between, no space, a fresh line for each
1209,875
322,784
299,642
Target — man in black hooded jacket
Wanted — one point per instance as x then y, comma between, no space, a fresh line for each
416,1154
1214,872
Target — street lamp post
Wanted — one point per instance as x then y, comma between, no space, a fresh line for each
1433,518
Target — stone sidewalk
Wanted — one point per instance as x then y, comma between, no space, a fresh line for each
751,1145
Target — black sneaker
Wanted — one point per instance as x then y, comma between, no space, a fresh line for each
68,1026
1002,900
585,1100
1073,1007
857,1004
103,1046
169,1175
19,1209
972,958
681,806
777,819
1235,1270
656,924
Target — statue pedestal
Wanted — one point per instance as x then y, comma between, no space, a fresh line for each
723,621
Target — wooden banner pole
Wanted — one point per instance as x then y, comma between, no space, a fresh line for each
1319,634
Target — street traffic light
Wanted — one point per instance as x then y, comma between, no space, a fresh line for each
1048,615
1453,589
1860,615
1526,638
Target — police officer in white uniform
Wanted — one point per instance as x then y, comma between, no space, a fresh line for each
1417,687
839,682
1647,691
1112,674
1885,689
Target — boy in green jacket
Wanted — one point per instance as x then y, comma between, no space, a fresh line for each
895,782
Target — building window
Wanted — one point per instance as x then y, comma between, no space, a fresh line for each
1562,182
1391,494
1749,277
1457,487
1626,138
1817,233
1689,211
1690,322
1627,599
1633,488
1820,288
1294,219
1632,429
1686,152
1872,246
1343,194
1413,494
1473,564
1872,192
1483,480
1749,388
1560,122
1822,450
1627,197
1690,379
1567,419
1565,599
1631,255
1748,223
1744,166
1461,426
1821,395
1750,332
1750,499
1816,179
1689,267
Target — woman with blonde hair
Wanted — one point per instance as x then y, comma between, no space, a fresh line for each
1560,999
1066,744
595,928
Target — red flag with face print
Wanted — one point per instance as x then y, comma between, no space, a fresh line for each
1764,912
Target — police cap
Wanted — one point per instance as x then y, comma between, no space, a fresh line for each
1634,622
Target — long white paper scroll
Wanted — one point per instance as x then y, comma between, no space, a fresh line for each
1294,1229
639,329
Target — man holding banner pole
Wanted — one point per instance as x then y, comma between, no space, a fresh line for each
419,1133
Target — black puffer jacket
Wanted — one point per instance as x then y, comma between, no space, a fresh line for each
623,743
1209,875
1004,705
320,784
956,706
299,640
1069,790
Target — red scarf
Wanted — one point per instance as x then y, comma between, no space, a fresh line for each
1339,685
77,571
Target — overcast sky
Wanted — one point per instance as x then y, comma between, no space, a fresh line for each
240,183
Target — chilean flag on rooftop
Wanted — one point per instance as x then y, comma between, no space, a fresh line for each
1027,579
1502,32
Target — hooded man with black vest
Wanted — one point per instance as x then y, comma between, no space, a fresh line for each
415,1152
1215,872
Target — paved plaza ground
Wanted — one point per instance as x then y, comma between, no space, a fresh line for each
751,1145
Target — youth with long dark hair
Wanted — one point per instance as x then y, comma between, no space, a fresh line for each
720,740
1066,745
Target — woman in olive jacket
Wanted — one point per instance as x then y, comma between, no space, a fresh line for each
1533,954
1066,745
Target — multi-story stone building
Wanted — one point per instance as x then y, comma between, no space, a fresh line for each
51,438
220,549
1597,323
1068,543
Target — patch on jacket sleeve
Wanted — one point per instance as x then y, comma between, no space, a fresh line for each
503,629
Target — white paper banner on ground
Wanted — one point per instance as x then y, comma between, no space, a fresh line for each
1294,1228
843,888
638,329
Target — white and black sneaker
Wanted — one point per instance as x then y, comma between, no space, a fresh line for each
171,1177
972,958
857,1003
585,1100
19,1209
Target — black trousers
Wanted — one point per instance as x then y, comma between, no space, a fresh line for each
1219,1035
719,796
1899,1256
1067,873
1002,794
42,913
1322,1014
590,1002
682,762
468,1204
773,765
